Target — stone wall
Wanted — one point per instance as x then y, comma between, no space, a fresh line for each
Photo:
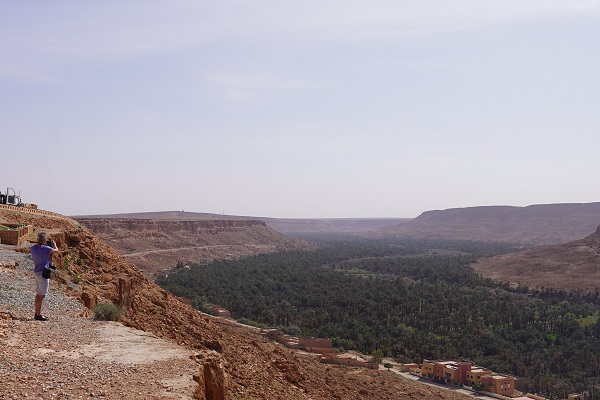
15,237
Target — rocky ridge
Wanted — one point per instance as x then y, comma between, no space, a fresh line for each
232,361
532,225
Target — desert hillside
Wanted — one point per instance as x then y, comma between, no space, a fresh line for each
156,245
232,361
573,265
531,225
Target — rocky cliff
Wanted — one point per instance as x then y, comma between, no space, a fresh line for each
234,362
156,245
531,225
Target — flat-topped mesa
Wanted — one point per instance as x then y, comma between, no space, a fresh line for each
513,212
106,225
539,224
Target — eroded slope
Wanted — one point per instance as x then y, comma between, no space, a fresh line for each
156,245
574,265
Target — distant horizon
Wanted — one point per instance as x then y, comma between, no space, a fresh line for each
327,218
243,216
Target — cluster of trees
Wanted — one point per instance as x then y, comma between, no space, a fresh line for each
412,299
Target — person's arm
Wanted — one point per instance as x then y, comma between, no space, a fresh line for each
54,248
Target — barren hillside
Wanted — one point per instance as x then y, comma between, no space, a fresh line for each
532,225
574,265
156,245
234,362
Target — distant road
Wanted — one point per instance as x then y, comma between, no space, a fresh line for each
143,253
415,378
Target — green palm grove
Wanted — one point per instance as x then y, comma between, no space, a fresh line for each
413,299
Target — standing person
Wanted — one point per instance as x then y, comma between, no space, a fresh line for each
40,252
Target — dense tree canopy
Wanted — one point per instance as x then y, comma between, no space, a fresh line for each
412,299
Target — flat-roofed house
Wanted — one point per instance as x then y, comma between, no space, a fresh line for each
427,368
476,374
499,384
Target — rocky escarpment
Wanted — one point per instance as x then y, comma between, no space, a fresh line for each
156,245
212,226
283,225
531,225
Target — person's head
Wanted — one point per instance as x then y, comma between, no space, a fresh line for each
42,237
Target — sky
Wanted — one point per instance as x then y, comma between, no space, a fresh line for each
299,109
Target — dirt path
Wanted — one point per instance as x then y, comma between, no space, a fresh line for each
72,357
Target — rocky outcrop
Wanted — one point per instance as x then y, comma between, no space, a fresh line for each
213,379
9,265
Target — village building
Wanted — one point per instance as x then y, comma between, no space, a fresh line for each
321,346
499,384
468,374
349,359
312,345
218,311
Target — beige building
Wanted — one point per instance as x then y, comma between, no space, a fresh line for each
476,374
348,359
427,368
466,373
499,384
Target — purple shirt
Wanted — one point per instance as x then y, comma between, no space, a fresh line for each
41,257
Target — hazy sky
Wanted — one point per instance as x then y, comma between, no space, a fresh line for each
299,108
